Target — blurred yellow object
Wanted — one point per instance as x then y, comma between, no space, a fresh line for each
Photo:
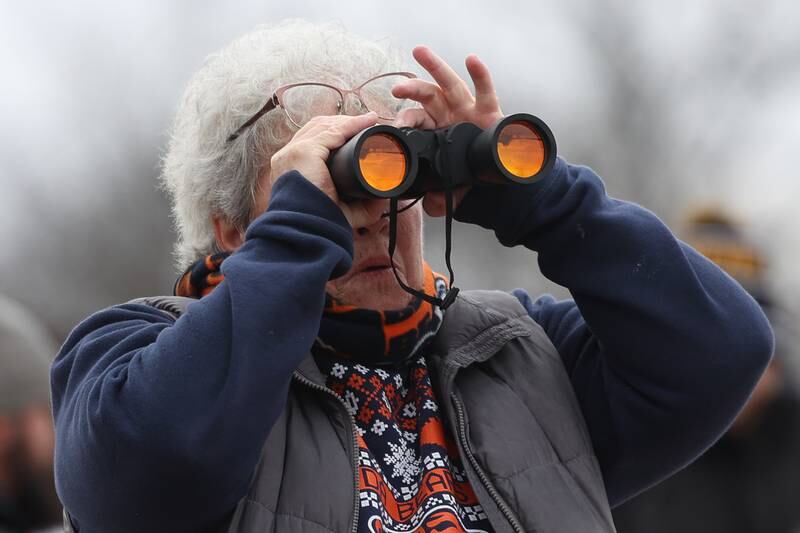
719,237
741,262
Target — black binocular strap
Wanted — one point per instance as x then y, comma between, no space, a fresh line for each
452,291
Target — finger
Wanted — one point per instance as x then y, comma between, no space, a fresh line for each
426,93
414,117
453,87
334,131
485,94
323,122
313,127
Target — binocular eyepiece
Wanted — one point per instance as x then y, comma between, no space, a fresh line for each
387,162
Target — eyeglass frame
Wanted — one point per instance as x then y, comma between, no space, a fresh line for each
276,100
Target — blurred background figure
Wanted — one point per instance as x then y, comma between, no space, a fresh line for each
750,480
28,500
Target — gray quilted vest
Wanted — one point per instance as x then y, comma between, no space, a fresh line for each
505,396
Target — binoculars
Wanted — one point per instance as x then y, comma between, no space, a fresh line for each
387,162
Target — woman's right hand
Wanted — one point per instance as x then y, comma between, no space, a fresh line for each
308,152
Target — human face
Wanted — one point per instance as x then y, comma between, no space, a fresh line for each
371,282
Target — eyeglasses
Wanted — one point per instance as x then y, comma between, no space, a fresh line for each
303,101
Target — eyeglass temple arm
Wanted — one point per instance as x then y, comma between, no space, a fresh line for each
269,106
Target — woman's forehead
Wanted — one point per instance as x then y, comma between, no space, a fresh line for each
346,68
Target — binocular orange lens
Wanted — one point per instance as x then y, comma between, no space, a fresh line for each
382,162
520,149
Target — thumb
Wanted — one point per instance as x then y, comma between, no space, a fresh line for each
414,117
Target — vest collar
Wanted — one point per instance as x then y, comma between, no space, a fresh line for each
309,370
475,327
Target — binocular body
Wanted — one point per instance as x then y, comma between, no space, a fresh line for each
387,162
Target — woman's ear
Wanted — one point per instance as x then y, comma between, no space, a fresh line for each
229,237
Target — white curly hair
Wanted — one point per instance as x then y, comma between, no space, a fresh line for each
202,173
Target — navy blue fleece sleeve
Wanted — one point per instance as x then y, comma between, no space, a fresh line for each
160,423
661,346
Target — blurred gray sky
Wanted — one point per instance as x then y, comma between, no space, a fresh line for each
675,105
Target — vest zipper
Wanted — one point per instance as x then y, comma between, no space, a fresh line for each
354,439
462,436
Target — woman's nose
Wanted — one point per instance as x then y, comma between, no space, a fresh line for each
374,220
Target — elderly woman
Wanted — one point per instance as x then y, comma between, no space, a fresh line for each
304,389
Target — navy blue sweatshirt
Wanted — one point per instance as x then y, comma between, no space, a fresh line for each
160,423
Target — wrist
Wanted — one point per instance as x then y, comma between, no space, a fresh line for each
504,207
293,192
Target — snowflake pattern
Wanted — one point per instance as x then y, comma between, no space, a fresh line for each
389,409
405,463
410,410
338,370
378,427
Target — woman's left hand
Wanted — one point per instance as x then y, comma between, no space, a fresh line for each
447,101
